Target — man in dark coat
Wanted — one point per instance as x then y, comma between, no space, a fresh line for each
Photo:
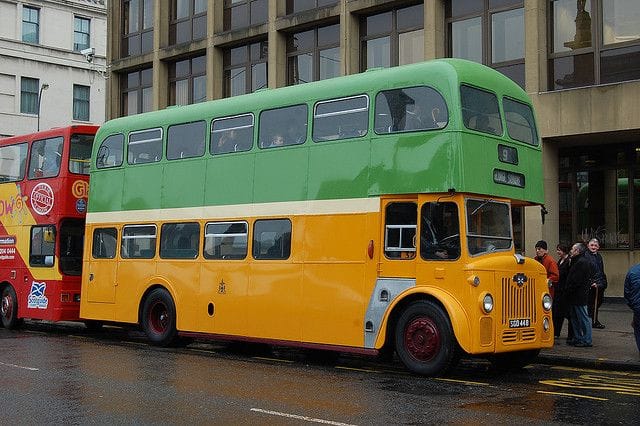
632,296
577,295
598,281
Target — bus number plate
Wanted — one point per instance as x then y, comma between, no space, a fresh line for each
519,323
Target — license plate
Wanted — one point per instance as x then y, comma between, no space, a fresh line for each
519,323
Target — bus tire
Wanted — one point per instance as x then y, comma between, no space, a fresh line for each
513,361
93,325
424,339
9,308
159,318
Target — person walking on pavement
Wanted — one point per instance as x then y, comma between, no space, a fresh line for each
549,264
577,292
560,311
632,296
598,282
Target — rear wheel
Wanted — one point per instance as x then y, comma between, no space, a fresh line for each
9,308
159,318
424,339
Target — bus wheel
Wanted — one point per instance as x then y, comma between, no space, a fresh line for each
159,318
513,361
9,308
424,339
93,325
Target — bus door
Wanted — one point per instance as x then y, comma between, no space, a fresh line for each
399,249
101,285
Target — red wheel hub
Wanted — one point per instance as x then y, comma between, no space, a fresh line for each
7,306
422,339
159,317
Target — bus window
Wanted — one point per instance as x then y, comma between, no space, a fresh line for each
400,230
440,231
104,243
46,156
110,152
488,226
71,241
410,109
80,154
179,240
283,126
43,245
138,242
480,110
13,159
520,122
145,146
272,239
226,240
186,140
341,119
233,134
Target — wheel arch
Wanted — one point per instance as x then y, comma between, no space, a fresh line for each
151,287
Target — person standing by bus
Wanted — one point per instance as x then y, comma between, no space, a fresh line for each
598,282
577,291
542,256
560,311
632,296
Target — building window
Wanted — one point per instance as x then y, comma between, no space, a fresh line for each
314,54
188,81
188,21
137,27
137,92
29,95
295,6
81,102
593,42
490,32
244,13
393,38
81,33
30,24
245,68
599,195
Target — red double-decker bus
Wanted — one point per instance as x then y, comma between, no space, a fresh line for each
44,182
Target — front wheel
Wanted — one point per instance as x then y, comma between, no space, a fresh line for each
424,339
159,318
9,308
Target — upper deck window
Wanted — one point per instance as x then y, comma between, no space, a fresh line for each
145,146
520,122
232,134
480,110
341,119
46,156
186,140
110,152
410,109
13,159
283,126
80,154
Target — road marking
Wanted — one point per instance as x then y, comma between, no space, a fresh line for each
464,382
298,417
357,369
610,372
20,366
264,358
574,395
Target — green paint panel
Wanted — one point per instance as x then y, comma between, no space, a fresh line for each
105,191
178,179
142,189
229,179
281,174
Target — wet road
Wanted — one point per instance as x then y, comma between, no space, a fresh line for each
66,375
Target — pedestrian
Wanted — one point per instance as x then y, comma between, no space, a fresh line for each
632,296
560,309
598,282
577,292
542,256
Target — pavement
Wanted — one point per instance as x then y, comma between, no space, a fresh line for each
614,347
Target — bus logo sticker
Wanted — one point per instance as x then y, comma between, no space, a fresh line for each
37,298
81,205
80,189
42,198
14,207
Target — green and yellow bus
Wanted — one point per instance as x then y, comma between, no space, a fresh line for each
358,214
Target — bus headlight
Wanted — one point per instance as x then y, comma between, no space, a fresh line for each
545,324
487,303
547,302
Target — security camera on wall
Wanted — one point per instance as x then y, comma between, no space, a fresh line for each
89,53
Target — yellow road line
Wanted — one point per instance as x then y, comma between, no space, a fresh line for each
574,395
465,382
272,359
357,369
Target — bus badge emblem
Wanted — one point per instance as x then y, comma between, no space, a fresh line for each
520,279
42,198
221,287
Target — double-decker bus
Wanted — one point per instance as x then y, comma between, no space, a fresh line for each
358,214
44,182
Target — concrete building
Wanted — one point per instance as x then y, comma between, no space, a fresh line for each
579,61
45,79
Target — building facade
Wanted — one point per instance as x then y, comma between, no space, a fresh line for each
45,78
578,59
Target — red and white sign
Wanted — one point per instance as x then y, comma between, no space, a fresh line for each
42,198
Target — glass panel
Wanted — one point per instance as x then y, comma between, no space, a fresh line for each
46,156
226,240
636,209
258,76
199,65
272,239
621,64
341,119
571,25
621,21
572,71
378,24
43,246
301,68
410,17
411,47
378,52
520,121
329,63
495,4
329,35
147,42
283,126
295,6
439,231
400,231
110,152
80,102
621,229
480,110
104,243
488,226
466,39
71,244
460,8
182,8
186,140
507,35
302,41
200,6
237,81
29,95
597,191
147,99
147,19
145,146
80,153
13,160
259,12
138,241
179,240
131,103
132,12
236,17
199,89
232,134
515,72
238,55
199,27
179,92
413,108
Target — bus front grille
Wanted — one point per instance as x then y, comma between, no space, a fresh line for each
518,301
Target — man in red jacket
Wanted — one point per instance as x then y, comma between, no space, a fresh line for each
549,264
